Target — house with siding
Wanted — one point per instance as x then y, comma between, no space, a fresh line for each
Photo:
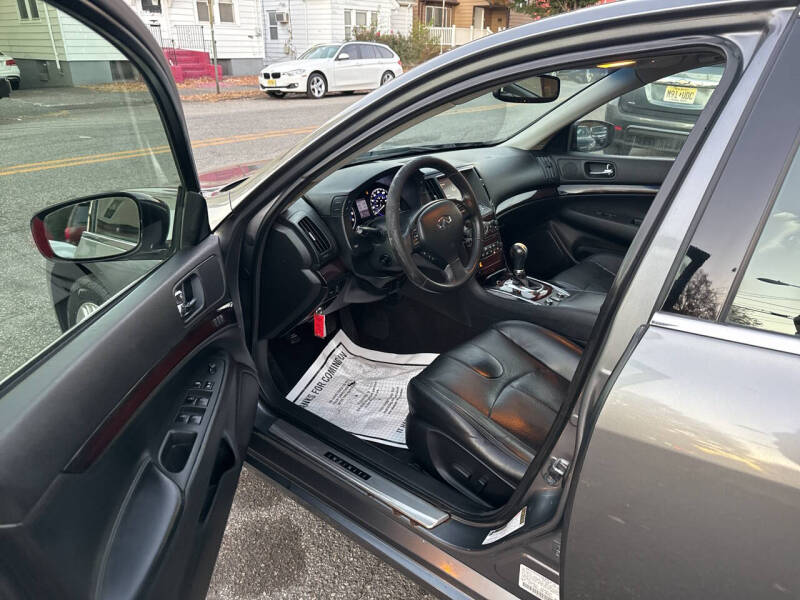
493,15
186,24
53,49
293,26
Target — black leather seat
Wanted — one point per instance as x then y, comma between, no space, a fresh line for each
592,274
479,413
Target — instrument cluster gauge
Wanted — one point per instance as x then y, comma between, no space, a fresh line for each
377,201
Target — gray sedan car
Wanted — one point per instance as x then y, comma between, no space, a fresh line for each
511,363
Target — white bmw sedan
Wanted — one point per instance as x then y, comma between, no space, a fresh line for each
332,68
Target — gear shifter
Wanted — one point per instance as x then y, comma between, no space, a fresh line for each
518,255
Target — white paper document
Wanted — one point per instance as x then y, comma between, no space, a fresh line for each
362,391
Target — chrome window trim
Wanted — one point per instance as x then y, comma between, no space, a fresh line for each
576,189
739,334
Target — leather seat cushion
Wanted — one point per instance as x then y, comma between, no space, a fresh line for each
496,395
593,274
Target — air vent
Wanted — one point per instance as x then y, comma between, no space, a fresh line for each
434,190
549,168
318,239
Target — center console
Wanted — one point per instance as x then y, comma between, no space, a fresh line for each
496,278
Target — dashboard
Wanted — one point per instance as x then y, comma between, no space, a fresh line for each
333,244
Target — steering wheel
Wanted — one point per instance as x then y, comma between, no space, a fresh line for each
437,228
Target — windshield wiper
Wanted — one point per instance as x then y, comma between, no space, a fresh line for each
412,150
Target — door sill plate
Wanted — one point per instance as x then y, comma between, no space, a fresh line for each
367,480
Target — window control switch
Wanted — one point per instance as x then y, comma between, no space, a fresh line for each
195,419
182,418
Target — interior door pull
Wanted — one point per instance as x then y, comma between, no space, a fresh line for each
188,296
598,169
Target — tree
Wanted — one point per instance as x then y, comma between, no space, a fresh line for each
546,8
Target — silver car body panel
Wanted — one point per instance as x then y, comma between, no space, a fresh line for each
692,476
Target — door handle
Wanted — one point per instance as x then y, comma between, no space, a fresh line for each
188,296
598,169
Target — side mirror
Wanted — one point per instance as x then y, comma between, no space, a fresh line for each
590,136
5,88
104,227
343,56
533,90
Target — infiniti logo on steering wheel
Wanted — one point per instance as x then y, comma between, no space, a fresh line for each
444,222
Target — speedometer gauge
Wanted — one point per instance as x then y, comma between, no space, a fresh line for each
377,201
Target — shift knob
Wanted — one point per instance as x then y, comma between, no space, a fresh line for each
518,255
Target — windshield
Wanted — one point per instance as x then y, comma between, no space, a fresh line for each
320,52
485,120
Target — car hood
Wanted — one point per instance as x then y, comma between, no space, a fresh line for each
290,65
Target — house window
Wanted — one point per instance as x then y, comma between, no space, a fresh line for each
153,6
202,11
224,13
28,9
225,8
358,19
478,17
273,25
437,16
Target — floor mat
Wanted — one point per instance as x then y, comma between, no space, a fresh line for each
362,391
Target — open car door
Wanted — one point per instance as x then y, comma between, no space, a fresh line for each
122,442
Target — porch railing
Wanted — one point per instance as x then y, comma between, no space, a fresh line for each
189,37
450,37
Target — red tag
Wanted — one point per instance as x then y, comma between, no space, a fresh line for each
319,326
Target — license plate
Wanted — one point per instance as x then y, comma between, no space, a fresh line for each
682,95
271,82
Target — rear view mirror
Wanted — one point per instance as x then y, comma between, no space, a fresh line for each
5,88
104,227
343,56
590,136
533,90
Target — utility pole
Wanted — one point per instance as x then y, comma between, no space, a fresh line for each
213,42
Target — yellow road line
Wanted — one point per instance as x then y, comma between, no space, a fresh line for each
139,152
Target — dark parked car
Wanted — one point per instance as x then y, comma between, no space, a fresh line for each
660,115
511,364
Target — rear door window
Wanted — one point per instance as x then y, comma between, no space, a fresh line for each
657,118
768,296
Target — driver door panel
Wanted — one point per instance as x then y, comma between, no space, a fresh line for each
127,499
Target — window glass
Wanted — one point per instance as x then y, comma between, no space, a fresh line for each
328,51
110,143
225,8
481,121
353,51
153,6
273,25
384,52
202,11
373,19
361,18
436,16
28,9
655,119
769,293
22,6
368,51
